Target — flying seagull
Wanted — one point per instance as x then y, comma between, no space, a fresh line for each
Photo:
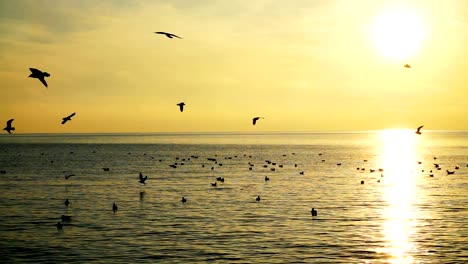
142,179
254,120
35,73
67,118
407,66
418,131
169,35
8,127
181,106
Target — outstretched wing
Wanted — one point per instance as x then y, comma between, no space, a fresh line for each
173,35
9,122
254,120
35,71
72,115
43,81
419,128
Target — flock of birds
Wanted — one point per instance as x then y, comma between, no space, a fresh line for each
211,163
41,75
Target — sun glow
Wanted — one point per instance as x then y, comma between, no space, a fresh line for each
398,34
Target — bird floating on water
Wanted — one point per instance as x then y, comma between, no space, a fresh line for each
9,127
313,212
418,131
35,73
66,202
184,200
258,198
114,207
67,118
169,35
181,106
255,119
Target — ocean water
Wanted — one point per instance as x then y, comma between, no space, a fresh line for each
398,215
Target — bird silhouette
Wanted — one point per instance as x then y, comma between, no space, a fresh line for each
184,200
258,198
142,179
254,120
407,66
67,118
313,212
114,207
181,106
35,73
8,127
169,35
418,131
67,202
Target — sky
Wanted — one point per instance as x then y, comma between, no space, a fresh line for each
315,65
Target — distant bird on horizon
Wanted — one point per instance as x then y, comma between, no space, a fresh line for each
418,131
407,66
142,179
67,118
255,119
181,106
35,73
9,127
169,35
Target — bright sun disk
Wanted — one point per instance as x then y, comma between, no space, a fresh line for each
398,34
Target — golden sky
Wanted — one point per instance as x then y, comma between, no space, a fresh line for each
305,65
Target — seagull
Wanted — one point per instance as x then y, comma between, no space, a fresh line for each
8,127
35,73
407,66
418,131
69,175
181,106
67,118
254,120
143,179
313,212
169,35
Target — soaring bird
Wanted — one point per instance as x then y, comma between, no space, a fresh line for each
418,131
35,73
8,127
142,179
67,118
254,120
407,66
181,106
169,35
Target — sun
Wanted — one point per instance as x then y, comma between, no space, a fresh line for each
399,33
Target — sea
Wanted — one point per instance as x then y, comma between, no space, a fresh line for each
388,196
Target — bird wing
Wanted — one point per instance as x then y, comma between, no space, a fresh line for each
43,81
71,115
419,128
9,122
35,71
141,176
64,120
254,121
173,35
160,32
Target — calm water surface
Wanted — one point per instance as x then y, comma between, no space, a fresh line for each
399,215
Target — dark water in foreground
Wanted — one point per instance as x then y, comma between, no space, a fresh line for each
400,215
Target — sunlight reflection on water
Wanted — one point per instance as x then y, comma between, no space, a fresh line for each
399,159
